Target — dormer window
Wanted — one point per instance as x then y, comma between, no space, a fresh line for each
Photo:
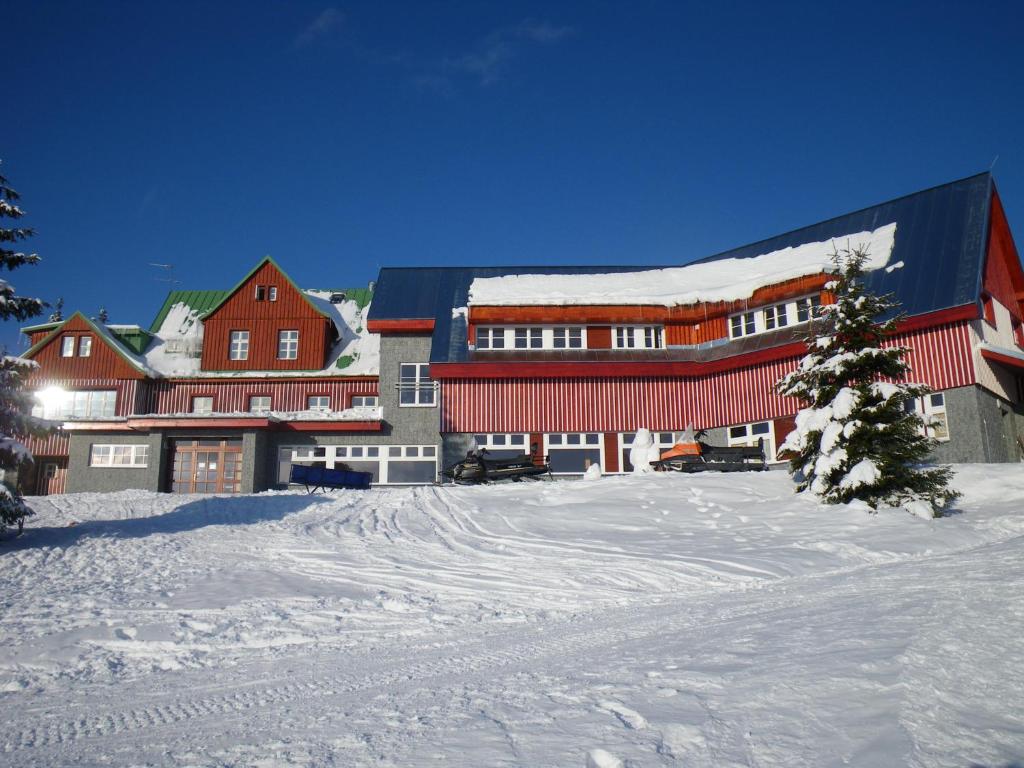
261,293
84,346
807,308
637,337
490,338
774,317
743,324
67,346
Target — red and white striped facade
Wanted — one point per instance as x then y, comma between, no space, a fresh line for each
940,356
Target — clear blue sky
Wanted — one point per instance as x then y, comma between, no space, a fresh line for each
342,137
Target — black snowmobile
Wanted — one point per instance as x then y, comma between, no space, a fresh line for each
479,467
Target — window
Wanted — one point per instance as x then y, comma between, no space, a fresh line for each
238,345
389,464
529,338
932,410
364,401
259,404
750,434
318,403
988,308
637,337
414,385
742,325
84,346
503,445
67,346
272,293
119,456
202,405
261,292
568,338
287,345
807,308
89,404
572,453
490,338
775,317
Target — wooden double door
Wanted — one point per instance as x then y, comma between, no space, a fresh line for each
212,465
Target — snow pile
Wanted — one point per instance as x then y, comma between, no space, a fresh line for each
720,280
357,352
179,340
643,451
693,620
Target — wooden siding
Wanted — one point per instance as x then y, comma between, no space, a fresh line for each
232,396
599,337
264,320
102,362
611,452
52,445
939,357
1004,278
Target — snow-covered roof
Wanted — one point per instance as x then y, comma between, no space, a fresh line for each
712,281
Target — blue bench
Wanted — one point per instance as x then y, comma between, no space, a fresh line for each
320,478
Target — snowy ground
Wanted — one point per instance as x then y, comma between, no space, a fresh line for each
648,621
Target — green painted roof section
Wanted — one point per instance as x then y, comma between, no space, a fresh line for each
361,296
136,339
240,283
199,301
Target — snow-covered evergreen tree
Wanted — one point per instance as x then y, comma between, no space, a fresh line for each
16,422
859,437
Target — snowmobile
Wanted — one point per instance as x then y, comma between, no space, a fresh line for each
478,467
692,455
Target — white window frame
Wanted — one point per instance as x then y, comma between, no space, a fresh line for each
67,346
931,411
259,408
261,293
332,455
751,322
419,385
527,337
103,455
809,306
556,441
776,316
288,344
531,337
569,337
272,293
490,337
749,438
85,346
238,345
202,411
638,337
362,401
503,441
321,407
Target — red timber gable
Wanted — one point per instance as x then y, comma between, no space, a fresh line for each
103,361
264,304
1004,277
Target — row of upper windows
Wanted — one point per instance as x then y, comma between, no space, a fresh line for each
262,404
566,337
287,345
774,317
83,344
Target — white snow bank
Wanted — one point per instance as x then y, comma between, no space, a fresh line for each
722,280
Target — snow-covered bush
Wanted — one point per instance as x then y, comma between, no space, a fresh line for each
16,401
859,437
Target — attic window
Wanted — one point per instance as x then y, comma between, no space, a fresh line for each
272,293
84,346
337,298
261,293
67,346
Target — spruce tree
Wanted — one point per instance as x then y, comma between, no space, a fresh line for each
859,436
16,401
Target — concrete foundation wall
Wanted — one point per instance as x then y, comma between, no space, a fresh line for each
982,427
84,478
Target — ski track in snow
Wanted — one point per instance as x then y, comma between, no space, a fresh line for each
709,621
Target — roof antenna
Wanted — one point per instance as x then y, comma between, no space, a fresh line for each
994,161
170,273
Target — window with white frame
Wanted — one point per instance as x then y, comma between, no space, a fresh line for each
67,346
84,346
238,345
364,401
86,404
529,338
287,345
490,338
389,464
637,337
203,404
414,385
932,410
318,403
503,444
119,456
750,434
567,337
261,292
774,317
259,404
272,293
572,453
663,441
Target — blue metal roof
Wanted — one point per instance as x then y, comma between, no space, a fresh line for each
941,238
